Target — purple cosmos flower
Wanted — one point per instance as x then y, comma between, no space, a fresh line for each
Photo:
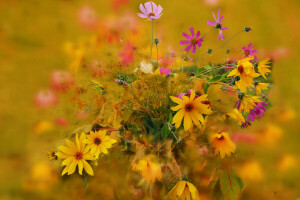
165,71
250,51
150,11
218,24
185,94
192,41
257,111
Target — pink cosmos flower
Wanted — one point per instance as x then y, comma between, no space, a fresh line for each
218,24
257,111
61,80
193,40
150,11
164,71
185,94
61,121
127,54
244,137
45,99
250,51
87,17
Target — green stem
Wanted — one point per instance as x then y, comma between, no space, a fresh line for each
231,39
208,32
157,53
200,58
151,42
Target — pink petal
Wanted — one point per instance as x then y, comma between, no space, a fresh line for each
219,15
194,49
214,16
211,23
148,7
186,36
192,32
143,9
221,19
158,10
199,43
142,15
224,28
188,47
221,37
249,45
154,7
184,42
198,34
244,48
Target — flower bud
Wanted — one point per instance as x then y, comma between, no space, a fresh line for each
209,51
156,41
248,28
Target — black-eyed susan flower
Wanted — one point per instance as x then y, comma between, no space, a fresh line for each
245,71
263,67
52,155
190,109
99,142
235,114
222,144
247,102
149,168
183,190
260,86
76,155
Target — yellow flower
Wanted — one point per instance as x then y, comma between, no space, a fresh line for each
52,155
248,102
245,71
76,155
99,142
235,114
222,144
261,86
183,190
263,67
191,109
150,169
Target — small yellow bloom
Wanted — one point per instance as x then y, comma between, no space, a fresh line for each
52,155
191,109
99,142
248,102
76,155
183,190
222,144
150,169
245,71
261,86
263,67
235,114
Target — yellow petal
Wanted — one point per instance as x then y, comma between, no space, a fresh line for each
72,167
87,167
178,116
176,100
80,167
180,187
187,121
176,107
65,150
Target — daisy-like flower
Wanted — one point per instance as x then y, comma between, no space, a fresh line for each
145,68
191,109
163,71
99,142
235,114
218,24
244,73
263,67
149,168
250,51
193,40
183,190
222,144
52,155
76,155
150,11
246,102
260,86
257,111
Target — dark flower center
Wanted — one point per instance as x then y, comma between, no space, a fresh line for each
219,26
247,53
241,69
97,141
206,102
221,138
78,156
188,107
151,15
194,41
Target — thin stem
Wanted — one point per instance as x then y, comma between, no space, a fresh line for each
208,32
157,53
200,58
196,60
151,42
231,39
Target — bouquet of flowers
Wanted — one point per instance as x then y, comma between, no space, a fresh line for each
169,116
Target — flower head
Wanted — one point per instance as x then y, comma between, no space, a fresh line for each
235,114
183,190
150,11
247,102
191,109
45,99
127,54
52,155
222,144
99,142
257,111
193,40
76,155
164,71
250,51
263,67
218,24
260,86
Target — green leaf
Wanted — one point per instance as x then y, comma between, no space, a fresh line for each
165,131
206,67
216,78
225,75
206,86
231,185
84,180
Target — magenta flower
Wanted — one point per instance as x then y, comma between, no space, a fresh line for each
164,71
193,40
218,24
257,111
127,54
185,94
250,51
151,11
